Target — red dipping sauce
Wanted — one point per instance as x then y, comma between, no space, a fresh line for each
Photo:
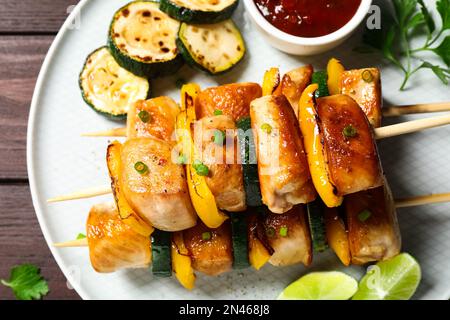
308,18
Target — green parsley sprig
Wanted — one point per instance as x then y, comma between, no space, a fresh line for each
412,19
26,282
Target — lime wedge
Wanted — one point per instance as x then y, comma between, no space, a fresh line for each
321,286
394,279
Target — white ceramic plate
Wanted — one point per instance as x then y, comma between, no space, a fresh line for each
60,161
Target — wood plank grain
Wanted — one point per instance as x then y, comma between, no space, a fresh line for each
31,16
22,242
20,61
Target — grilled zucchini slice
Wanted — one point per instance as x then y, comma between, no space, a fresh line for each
108,88
213,48
142,40
199,11
317,225
161,254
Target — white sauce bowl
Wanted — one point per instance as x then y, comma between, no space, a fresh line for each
301,45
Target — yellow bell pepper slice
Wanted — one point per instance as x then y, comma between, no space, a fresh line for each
201,196
258,254
181,262
337,235
127,214
334,70
271,81
314,148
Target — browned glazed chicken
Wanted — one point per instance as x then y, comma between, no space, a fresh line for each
352,155
293,84
225,178
364,85
373,230
232,99
288,235
159,194
210,249
113,245
282,166
152,118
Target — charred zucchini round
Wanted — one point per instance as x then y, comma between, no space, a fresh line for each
108,88
142,40
199,11
213,48
317,225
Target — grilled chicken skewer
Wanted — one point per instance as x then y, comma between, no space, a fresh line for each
113,245
407,127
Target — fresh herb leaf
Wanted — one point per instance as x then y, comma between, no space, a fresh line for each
404,9
27,282
182,159
81,236
364,215
417,20
388,46
443,50
428,19
443,7
412,18
206,236
200,168
438,71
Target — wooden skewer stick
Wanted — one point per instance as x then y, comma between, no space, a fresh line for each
116,132
422,200
72,243
416,108
399,203
411,126
84,194
380,133
387,112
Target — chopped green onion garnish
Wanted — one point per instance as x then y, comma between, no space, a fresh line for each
200,168
367,76
364,215
206,236
182,159
81,236
218,112
141,167
267,128
270,232
180,83
144,116
219,137
283,231
349,131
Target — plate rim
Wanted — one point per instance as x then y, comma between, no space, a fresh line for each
31,143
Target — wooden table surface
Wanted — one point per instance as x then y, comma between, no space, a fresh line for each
27,28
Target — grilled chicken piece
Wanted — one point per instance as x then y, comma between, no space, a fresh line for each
232,99
161,116
113,245
210,250
373,230
282,165
288,235
364,85
352,155
293,84
225,179
160,195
